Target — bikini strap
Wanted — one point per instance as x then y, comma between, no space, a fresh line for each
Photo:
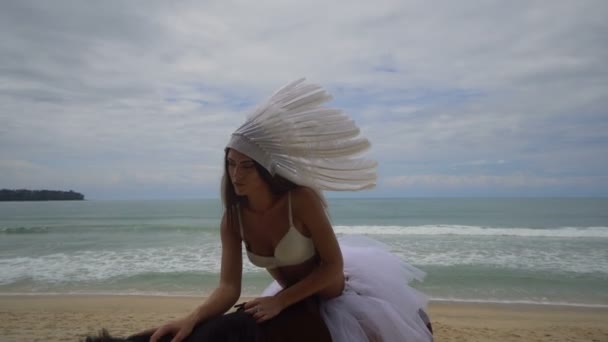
289,205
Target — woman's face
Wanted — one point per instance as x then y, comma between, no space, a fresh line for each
243,175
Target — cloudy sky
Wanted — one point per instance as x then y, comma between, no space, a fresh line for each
136,99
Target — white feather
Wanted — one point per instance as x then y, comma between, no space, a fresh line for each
292,134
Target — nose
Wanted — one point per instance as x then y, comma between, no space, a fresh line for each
236,173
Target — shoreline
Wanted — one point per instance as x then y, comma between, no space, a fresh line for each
434,301
71,317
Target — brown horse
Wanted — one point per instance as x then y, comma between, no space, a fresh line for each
299,322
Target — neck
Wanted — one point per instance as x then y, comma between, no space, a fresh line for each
262,201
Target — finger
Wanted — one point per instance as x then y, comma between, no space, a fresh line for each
146,332
263,318
267,316
179,337
158,334
252,310
251,303
258,315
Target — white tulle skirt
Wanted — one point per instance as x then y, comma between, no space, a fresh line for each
377,303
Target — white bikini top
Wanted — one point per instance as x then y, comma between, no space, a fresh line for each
293,248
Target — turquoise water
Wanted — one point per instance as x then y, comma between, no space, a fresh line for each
552,251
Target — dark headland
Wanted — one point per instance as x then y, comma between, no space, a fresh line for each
39,195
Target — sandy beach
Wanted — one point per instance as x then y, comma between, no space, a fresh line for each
69,318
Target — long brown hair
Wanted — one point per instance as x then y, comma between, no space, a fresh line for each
278,186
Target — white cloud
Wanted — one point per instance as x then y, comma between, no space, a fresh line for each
86,87
476,181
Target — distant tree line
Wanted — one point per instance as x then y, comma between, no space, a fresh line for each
39,195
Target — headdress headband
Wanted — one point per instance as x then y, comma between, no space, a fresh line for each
291,134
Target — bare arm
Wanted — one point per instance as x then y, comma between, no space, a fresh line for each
309,209
221,299
229,289
276,275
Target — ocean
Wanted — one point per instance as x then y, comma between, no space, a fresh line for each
503,250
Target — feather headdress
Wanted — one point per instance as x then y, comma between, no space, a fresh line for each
291,134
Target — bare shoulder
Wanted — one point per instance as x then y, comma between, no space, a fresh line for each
308,208
305,202
305,197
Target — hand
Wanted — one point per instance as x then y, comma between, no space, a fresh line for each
264,308
180,329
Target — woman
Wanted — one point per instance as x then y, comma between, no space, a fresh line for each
276,165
